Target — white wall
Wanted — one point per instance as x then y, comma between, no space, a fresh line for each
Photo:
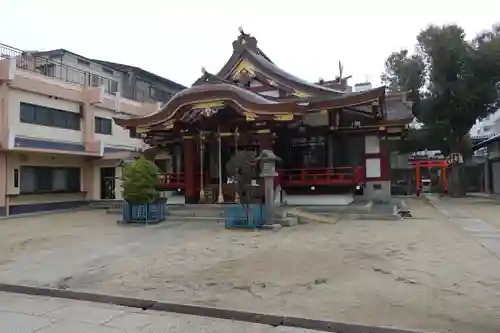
120,137
16,160
40,131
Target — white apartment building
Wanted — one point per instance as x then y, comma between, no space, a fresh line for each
59,147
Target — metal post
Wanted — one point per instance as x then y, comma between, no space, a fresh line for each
202,189
487,174
220,199
236,136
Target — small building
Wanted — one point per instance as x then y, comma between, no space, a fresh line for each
489,150
59,147
329,140
130,81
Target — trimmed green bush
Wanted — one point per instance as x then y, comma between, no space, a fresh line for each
139,181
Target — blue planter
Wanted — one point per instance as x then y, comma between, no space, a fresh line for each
235,216
145,213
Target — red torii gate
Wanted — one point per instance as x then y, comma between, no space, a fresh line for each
441,163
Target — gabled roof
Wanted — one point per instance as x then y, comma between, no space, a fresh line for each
139,72
487,142
245,49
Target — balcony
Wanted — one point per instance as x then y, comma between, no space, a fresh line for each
50,68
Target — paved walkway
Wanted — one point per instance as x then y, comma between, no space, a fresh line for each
487,235
29,314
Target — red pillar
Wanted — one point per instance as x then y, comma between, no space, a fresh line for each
417,179
385,163
445,181
189,150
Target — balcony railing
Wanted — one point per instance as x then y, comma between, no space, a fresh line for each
57,70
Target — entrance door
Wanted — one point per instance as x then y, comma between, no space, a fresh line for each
107,181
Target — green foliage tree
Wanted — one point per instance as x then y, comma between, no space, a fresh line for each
139,181
452,82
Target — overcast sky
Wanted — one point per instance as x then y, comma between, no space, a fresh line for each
175,39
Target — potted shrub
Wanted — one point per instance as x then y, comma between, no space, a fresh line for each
142,200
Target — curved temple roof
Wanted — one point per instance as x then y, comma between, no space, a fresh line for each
245,47
301,96
240,98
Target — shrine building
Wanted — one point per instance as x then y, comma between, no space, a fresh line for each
330,141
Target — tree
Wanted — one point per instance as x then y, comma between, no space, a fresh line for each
242,168
453,82
139,181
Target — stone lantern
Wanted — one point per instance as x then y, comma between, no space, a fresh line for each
267,160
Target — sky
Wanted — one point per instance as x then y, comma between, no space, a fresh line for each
175,39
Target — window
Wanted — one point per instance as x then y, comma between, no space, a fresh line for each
96,80
112,87
36,179
41,115
154,92
133,133
103,126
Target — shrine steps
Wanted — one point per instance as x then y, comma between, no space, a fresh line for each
197,212
317,199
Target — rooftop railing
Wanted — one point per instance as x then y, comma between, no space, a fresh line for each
51,68
34,62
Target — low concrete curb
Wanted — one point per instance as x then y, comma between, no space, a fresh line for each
259,318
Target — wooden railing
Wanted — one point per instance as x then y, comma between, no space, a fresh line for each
351,175
172,180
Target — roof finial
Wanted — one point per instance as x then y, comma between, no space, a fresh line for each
203,70
240,29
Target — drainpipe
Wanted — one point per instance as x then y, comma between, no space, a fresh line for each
7,213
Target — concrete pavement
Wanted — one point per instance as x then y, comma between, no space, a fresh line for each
486,234
29,314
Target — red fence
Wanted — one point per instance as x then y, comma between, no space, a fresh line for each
351,175
172,181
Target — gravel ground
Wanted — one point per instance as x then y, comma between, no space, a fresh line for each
420,273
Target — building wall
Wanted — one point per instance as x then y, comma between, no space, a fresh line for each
16,160
120,137
16,97
93,68
61,147
129,85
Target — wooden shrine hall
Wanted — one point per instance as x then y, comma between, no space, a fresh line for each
330,140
